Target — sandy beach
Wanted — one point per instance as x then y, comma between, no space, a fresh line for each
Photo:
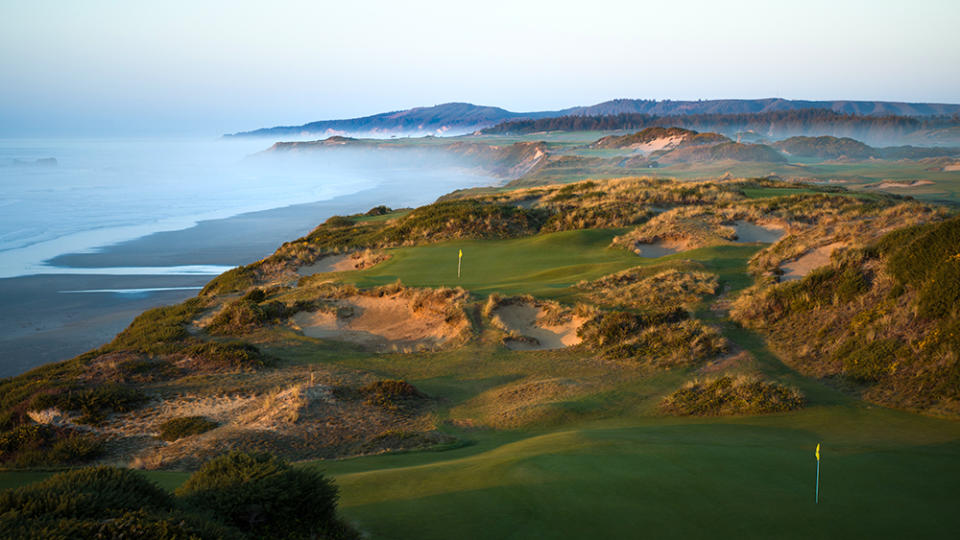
43,321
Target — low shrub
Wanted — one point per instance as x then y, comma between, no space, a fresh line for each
236,279
391,394
615,327
160,330
263,496
730,395
234,496
185,426
231,355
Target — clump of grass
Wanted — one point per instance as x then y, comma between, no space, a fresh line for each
732,395
391,394
157,331
231,355
236,279
93,402
636,288
185,426
691,227
658,339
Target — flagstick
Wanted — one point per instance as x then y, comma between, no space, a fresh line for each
458,266
818,482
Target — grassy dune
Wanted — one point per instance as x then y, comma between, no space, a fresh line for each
573,446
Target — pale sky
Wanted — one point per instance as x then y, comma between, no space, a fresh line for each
102,67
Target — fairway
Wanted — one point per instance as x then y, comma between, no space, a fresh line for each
884,474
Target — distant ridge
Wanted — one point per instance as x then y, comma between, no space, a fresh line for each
460,118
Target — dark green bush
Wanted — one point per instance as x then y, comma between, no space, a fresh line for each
379,211
97,399
185,426
391,394
232,355
236,279
338,221
93,492
100,502
263,496
33,445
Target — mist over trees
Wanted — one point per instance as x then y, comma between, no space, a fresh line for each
776,124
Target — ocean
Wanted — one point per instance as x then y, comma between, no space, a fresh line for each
105,194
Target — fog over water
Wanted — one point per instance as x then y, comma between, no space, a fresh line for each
104,191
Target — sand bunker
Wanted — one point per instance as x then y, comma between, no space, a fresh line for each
951,168
902,185
656,250
809,261
749,232
342,263
384,323
529,321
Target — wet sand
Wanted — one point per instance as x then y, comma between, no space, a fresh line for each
40,323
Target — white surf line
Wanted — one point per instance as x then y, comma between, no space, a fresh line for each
185,270
134,291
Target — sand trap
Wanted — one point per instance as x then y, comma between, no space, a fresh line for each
386,323
656,250
809,261
333,263
526,320
951,168
902,185
749,232
342,263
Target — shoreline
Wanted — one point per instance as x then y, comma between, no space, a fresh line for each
53,317
40,324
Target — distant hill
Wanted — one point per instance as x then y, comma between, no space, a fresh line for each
727,151
659,138
826,147
932,130
749,106
448,118
460,118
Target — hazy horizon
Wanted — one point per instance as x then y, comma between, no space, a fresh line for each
116,68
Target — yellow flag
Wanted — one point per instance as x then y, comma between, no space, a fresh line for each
818,451
461,254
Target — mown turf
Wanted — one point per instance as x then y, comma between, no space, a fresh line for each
751,477
544,265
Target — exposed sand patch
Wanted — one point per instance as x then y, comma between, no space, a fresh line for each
530,321
809,261
383,323
750,232
657,144
657,249
889,184
951,168
358,260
